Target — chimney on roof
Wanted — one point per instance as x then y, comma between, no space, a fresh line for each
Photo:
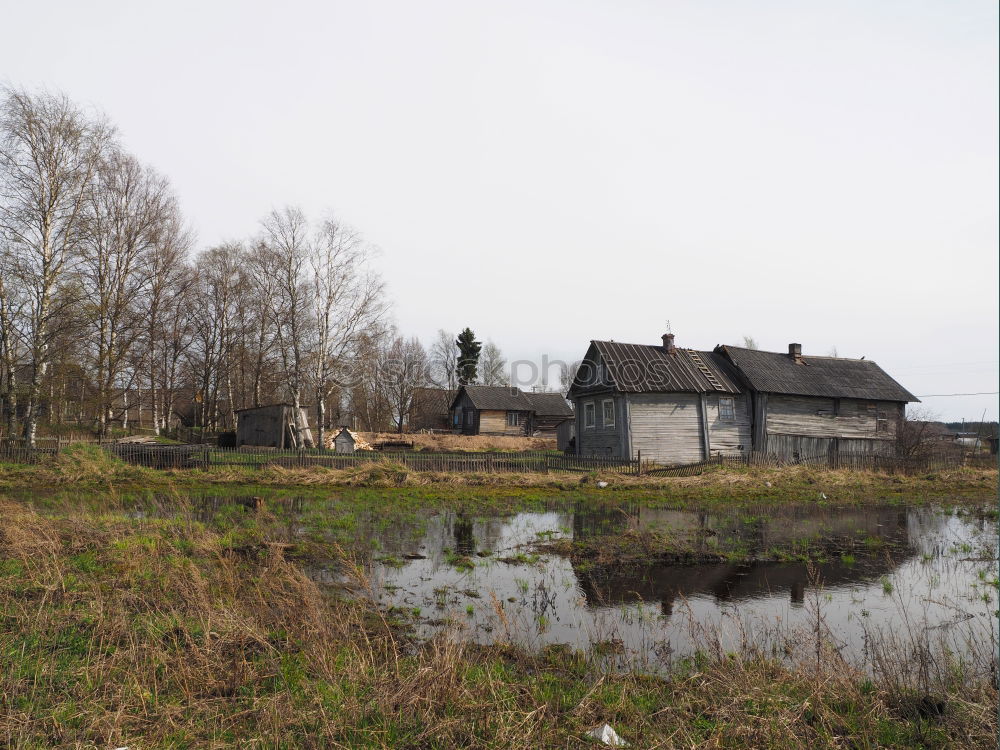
795,353
668,343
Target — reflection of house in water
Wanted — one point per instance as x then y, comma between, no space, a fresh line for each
825,529
724,581
757,530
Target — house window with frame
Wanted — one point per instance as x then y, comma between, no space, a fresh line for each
608,413
727,409
881,421
588,415
513,418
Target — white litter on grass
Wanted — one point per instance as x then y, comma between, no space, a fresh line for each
767,484
602,485
604,733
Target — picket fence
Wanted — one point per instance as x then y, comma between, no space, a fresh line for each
201,456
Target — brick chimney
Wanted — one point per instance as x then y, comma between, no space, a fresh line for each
668,343
795,353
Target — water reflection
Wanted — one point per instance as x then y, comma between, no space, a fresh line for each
883,567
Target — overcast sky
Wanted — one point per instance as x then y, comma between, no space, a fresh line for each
554,172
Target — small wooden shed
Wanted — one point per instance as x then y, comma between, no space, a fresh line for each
345,442
275,426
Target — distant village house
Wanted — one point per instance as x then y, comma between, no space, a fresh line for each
503,410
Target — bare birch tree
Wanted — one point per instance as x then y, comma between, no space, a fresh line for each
443,361
493,366
285,252
127,207
49,151
168,285
403,369
347,301
11,303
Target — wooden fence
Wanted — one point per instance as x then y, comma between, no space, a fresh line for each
201,456
204,456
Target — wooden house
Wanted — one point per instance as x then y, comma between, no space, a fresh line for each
805,406
431,409
676,406
274,426
504,410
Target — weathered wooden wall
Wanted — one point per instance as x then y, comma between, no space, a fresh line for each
666,427
495,423
827,417
728,437
601,440
565,432
264,426
805,426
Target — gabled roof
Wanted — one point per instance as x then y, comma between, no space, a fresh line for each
549,404
494,397
640,368
832,377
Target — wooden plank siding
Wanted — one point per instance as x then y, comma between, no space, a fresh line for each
801,427
666,427
728,438
495,423
602,439
826,417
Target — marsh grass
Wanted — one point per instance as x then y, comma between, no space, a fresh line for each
88,468
119,630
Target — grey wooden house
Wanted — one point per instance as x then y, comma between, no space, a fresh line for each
677,406
503,410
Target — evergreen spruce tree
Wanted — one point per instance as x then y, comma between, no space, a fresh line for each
468,357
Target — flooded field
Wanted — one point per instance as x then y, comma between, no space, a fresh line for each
921,573
388,612
645,586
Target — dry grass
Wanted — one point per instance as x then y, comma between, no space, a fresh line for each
119,631
446,442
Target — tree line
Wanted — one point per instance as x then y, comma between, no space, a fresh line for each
109,314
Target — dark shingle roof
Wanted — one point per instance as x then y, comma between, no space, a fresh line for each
495,397
549,404
833,377
640,368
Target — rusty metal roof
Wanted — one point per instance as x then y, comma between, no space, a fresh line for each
641,368
832,377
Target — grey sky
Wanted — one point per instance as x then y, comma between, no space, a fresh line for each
548,173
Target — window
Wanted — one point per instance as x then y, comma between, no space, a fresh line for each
881,421
608,412
469,416
727,409
588,415
513,418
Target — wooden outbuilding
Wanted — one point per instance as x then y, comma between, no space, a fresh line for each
345,441
275,425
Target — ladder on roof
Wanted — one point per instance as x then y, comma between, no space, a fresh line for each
709,375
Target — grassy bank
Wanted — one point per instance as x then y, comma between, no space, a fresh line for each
174,632
87,469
